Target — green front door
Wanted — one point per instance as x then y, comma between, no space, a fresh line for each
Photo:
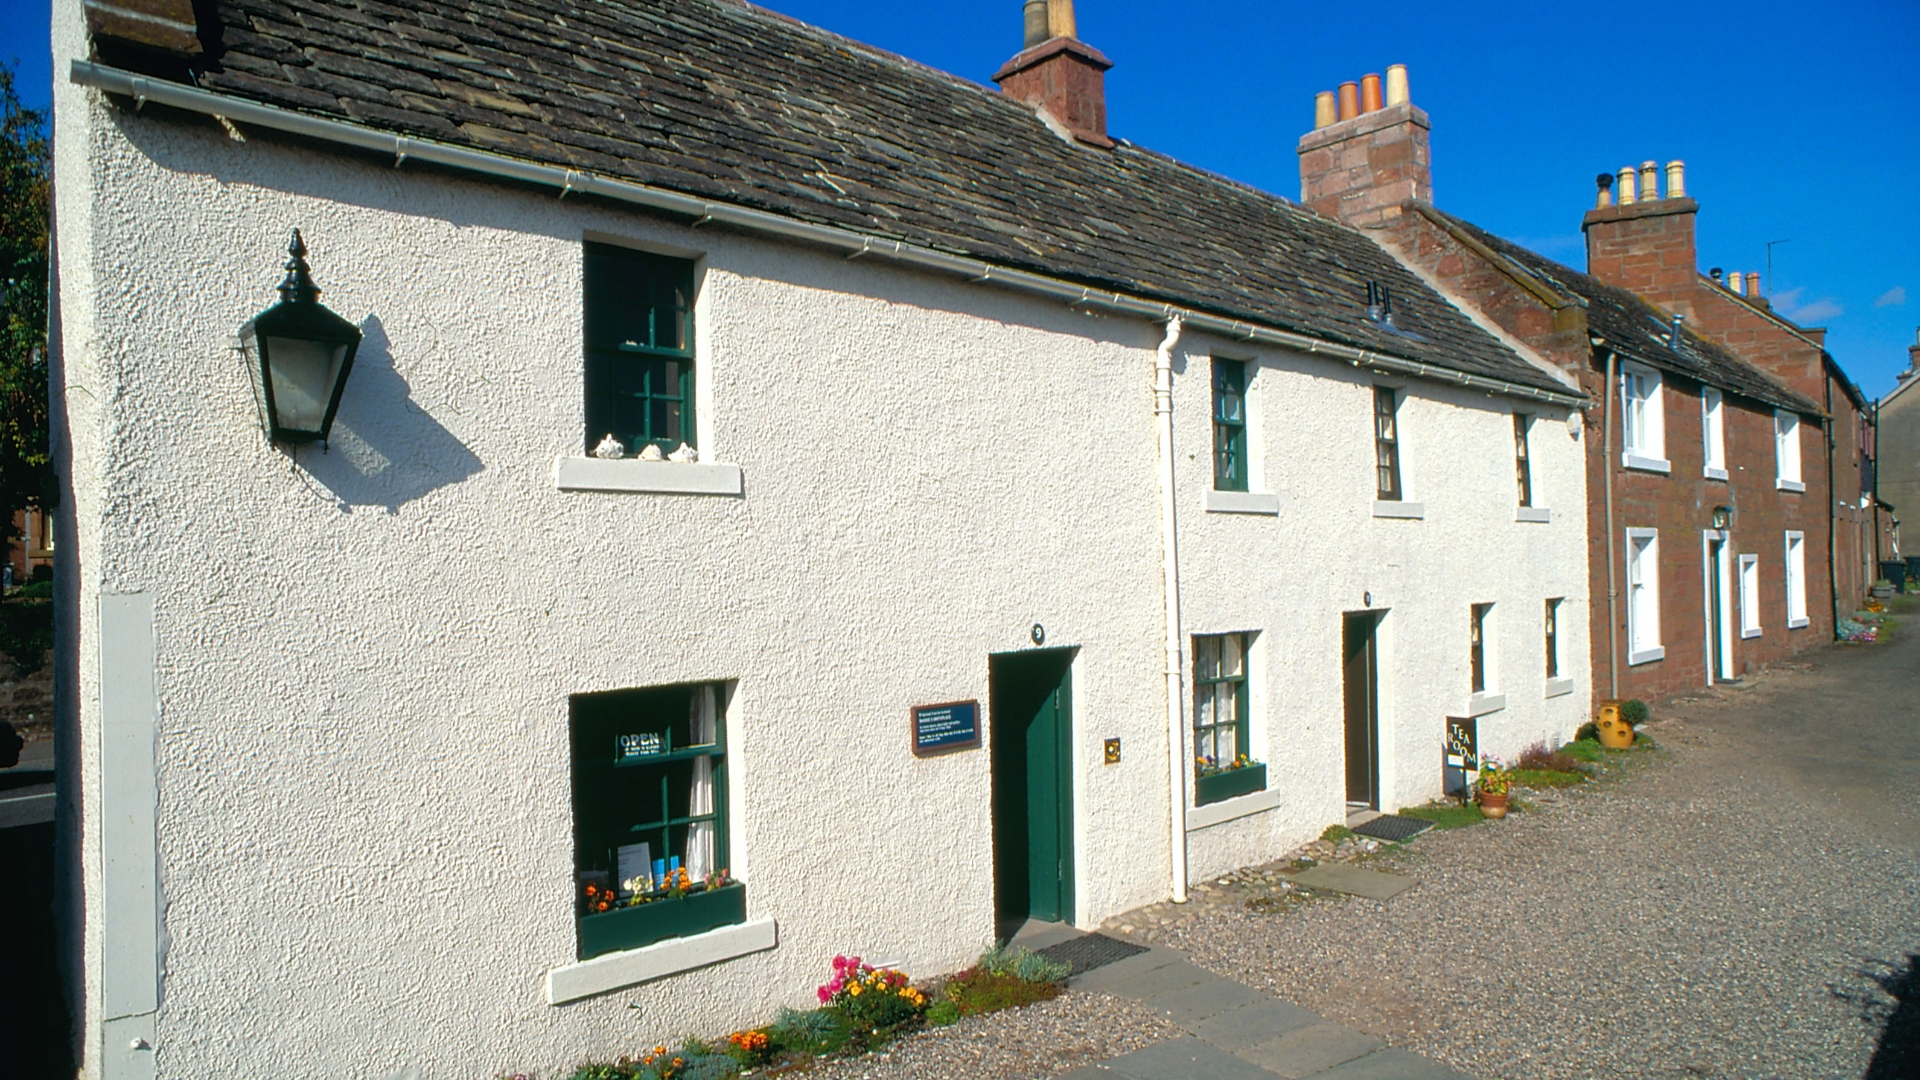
1030,711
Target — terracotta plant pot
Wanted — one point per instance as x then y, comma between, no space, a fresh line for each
1494,806
1615,733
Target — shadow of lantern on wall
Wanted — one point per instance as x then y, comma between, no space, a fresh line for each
298,355
1722,517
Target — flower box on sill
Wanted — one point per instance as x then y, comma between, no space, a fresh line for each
1229,784
658,920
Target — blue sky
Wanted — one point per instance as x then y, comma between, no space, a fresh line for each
1797,123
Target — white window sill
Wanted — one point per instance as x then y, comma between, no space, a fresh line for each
1646,464
1482,704
1789,485
1257,802
615,970
1559,687
648,477
1796,624
1242,502
1538,514
1753,633
1394,508
1716,474
1647,656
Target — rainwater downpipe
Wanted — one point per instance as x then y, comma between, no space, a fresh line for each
1833,516
1613,572
1170,574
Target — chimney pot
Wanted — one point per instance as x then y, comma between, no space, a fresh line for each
1349,100
1370,92
1325,111
1753,283
1605,198
1397,85
1737,283
1627,177
1649,181
1715,274
1035,14
1676,179
1060,19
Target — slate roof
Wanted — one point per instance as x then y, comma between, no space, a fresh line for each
1641,331
725,101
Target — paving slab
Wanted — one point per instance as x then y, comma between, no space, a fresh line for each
1341,878
1184,1059
1310,1050
1165,979
1190,1004
1392,1064
1104,979
1250,1025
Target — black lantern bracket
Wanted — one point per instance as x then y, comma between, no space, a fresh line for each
298,355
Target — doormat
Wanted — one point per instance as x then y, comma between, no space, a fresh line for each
1393,827
1092,951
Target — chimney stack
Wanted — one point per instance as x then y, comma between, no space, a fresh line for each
1913,350
1359,164
1059,74
1645,243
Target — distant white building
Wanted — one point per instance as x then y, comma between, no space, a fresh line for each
349,725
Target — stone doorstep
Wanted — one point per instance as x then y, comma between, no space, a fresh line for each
1338,877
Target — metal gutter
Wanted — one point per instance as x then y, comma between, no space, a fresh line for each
572,181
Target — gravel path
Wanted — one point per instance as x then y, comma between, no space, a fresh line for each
1046,1039
1729,909
1718,915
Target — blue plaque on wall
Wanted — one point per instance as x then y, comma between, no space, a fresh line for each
939,728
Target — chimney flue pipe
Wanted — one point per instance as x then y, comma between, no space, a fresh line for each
1370,93
1060,19
1676,179
1737,284
1035,14
1605,198
1649,181
1325,111
1397,85
1349,100
1753,283
1627,177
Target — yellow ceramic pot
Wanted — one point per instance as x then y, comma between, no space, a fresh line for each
1615,733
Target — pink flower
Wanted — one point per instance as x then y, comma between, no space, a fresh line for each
825,995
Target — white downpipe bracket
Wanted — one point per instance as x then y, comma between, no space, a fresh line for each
1170,571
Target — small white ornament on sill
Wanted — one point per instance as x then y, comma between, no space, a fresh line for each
651,452
685,453
610,448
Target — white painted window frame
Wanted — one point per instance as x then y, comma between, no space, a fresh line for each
1749,573
1713,433
1643,597
1796,576
1786,452
1643,425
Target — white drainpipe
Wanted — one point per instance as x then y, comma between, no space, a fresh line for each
1170,569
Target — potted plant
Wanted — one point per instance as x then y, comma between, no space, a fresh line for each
1882,588
1493,785
1215,781
1614,724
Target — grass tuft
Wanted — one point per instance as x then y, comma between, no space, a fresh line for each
1336,833
1445,815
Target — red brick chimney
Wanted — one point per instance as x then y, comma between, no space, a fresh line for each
1366,155
1058,73
1645,243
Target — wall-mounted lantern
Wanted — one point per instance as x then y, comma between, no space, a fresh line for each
1722,517
298,355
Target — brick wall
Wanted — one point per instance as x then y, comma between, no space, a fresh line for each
1362,170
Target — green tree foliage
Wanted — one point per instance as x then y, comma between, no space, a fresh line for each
26,476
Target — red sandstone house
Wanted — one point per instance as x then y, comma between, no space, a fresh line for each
1710,509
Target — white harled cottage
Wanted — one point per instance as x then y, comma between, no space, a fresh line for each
694,457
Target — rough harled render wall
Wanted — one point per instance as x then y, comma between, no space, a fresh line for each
364,656
1290,576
